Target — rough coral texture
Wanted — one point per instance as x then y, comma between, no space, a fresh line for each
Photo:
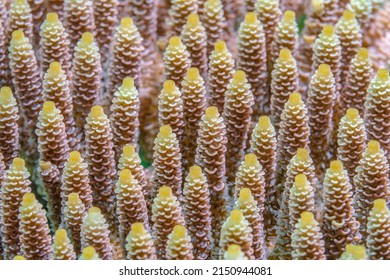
20,18
62,246
214,22
139,244
179,246
178,13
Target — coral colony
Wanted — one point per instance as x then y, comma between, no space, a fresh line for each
194,129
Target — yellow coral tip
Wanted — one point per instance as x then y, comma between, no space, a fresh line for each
87,38
236,216
373,147
193,20
234,250
97,111
55,68
138,228
285,54
196,172
193,74
126,22
165,131
165,192
250,18
303,154
358,252
175,41
19,258
220,46
74,157
18,163
73,198
128,83
300,180
245,194
251,159
128,150
317,5
94,210
5,95
289,15
363,53
336,166
28,199
328,30
179,232
239,77
264,122
17,35
169,86
212,113
324,70
383,74
380,204
125,176
307,218
61,236
89,252
295,99
352,114
52,17
48,107
348,15
44,165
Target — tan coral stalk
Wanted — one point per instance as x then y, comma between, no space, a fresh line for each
339,225
124,116
166,214
252,211
167,162
378,229
351,141
57,6
350,36
62,246
210,156
371,182
9,117
75,179
79,18
237,115
86,80
284,81
357,83
73,215
20,18
105,16
125,58
4,64
252,59
52,140
307,242
236,230
170,109
214,22
286,35
179,246
320,101
54,44
176,61
51,178
234,252
197,212
139,244
194,106
194,38
131,205
35,239
354,252
15,185
378,110
363,11
101,162
221,70
95,232
89,253
178,13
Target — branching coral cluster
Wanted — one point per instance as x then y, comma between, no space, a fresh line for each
189,130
